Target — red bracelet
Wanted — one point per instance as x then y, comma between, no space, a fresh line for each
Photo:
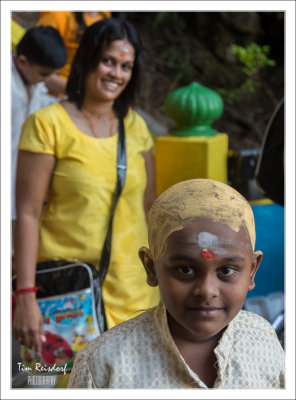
33,289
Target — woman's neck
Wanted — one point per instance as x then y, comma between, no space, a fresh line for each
98,109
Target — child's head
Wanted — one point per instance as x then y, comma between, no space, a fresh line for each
40,53
201,238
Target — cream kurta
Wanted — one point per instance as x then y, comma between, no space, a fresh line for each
140,353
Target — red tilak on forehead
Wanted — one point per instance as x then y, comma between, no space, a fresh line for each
207,254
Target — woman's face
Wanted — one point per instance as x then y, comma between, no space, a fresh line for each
113,73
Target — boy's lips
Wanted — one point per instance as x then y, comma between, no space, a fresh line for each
206,311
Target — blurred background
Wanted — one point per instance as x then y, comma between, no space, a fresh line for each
240,55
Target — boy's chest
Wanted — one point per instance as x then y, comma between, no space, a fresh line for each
202,360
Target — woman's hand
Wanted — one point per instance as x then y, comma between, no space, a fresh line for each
28,322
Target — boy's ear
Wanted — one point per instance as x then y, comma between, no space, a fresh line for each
147,261
257,258
22,60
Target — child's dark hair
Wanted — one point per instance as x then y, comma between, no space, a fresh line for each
94,40
79,19
43,45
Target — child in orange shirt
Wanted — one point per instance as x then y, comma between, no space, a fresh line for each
71,26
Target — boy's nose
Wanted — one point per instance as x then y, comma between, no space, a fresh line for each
206,288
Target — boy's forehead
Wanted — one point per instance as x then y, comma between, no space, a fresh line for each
206,233
197,198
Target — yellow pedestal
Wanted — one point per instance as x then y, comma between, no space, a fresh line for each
181,158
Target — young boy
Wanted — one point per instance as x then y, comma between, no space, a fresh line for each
40,53
201,238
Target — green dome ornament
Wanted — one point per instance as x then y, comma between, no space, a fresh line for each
194,108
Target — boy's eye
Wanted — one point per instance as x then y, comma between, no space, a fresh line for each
227,271
185,270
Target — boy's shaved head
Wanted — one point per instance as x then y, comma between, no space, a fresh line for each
204,198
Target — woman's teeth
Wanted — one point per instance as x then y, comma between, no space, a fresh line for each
112,85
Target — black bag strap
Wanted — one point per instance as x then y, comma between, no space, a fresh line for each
121,172
121,167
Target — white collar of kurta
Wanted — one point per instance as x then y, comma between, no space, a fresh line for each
222,350
21,84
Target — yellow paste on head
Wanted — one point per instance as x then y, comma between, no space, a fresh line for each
204,198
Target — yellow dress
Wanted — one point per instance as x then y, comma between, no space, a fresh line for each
74,224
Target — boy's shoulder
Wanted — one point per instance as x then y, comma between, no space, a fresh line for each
252,342
253,327
252,321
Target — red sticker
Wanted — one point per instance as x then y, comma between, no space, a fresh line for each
207,254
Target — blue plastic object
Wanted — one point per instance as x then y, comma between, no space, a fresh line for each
270,239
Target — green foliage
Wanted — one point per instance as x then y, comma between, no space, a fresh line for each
250,86
176,62
176,59
253,58
170,18
228,95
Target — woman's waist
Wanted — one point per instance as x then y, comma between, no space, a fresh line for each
82,244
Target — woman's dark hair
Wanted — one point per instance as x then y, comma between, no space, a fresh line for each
94,41
43,45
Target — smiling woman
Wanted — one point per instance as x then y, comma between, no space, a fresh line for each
67,157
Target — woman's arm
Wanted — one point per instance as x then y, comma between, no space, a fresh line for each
33,178
150,192
56,84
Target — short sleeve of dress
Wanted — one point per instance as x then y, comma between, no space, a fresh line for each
38,135
136,125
